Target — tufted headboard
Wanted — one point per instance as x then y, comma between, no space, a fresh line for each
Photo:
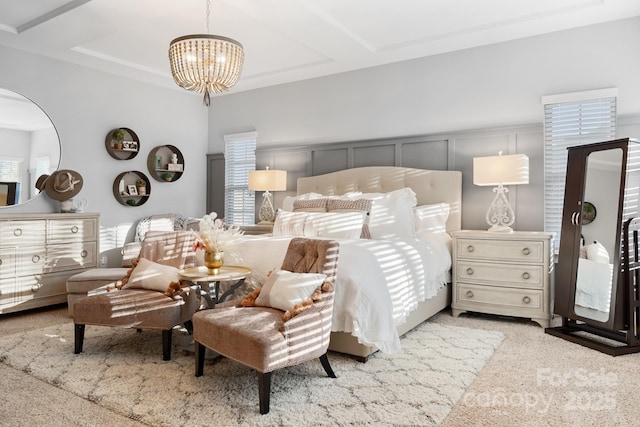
430,186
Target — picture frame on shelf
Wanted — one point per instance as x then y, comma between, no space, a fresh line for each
133,191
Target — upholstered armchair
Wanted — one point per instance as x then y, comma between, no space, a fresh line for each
145,301
263,335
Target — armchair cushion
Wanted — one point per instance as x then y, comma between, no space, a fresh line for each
284,290
151,275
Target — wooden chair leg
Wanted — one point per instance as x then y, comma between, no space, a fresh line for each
188,325
264,388
78,338
327,367
166,344
200,351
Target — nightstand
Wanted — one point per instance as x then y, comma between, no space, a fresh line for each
257,229
503,273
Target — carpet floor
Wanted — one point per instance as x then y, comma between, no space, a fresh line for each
533,379
122,371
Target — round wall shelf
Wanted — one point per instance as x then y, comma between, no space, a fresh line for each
127,191
126,149
160,163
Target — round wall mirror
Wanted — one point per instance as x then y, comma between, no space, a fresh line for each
29,148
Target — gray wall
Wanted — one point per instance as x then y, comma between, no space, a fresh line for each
494,88
84,105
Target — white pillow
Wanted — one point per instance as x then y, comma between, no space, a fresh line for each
391,213
284,289
151,275
431,218
597,252
289,223
335,225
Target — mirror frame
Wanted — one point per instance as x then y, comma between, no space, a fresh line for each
18,113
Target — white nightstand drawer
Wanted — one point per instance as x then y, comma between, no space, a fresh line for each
503,250
523,275
497,296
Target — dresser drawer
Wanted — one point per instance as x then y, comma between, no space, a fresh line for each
72,230
521,275
499,296
22,233
30,260
501,250
7,263
71,256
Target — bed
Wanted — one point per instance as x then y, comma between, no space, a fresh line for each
387,284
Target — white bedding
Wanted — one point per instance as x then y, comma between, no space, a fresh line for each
379,282
593,284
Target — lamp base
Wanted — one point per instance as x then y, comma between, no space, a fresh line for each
500,215
267,214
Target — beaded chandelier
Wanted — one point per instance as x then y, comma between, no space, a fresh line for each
205,63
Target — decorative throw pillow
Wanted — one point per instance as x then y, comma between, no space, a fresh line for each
357,205
334,225
312,205
151,275
431,218
289,223
284,290
287,203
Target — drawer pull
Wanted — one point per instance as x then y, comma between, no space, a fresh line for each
0,261
469,294
35,259
526,276
526,251
526,300
17,232
74,229
470,248
83,254
470,271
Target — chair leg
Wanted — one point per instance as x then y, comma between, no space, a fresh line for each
78,338
166,344
327,367
188,325
264,388
200,351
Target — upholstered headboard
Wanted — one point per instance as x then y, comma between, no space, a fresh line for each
430,186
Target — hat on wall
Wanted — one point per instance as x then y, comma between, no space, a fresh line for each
63,184
41,181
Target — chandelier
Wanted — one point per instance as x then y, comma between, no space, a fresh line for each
205,63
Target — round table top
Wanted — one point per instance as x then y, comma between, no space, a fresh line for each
203,274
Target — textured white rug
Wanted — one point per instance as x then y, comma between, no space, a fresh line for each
123,371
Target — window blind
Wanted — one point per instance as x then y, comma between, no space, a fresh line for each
239,159
570,120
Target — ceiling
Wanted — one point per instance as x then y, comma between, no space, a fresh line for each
284,40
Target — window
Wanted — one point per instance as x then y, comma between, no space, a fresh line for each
239,159
10,169
571,119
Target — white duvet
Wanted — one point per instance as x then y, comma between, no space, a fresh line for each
378,283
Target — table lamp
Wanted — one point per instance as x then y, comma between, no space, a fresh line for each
500,171
267,181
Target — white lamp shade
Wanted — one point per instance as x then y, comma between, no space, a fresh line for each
506,170
268,180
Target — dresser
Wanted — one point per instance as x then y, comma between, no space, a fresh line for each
503,273
38,252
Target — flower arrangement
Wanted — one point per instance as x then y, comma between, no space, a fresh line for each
215,236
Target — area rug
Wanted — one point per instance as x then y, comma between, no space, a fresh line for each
123,371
